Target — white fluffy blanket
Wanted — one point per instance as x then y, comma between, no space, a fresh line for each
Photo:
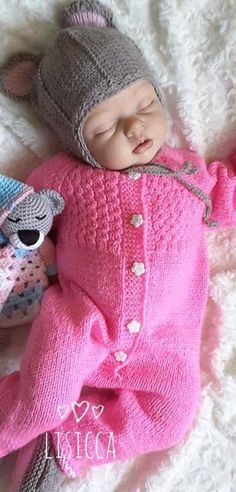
191,45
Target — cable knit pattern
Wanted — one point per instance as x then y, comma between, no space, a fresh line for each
125,319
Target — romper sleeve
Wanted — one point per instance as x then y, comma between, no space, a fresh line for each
51,174
218,180
223,192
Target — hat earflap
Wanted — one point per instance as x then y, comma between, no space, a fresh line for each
17,75
87,13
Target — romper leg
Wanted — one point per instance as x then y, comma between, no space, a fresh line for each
132,423
59,353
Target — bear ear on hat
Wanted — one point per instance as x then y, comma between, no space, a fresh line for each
87,13
17,75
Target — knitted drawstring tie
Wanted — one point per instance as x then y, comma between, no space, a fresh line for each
187,168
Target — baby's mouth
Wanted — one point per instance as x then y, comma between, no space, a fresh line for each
147,144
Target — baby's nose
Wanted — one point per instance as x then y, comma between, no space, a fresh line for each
133,127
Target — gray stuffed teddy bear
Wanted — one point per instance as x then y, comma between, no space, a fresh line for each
27,255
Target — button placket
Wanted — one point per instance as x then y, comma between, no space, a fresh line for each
137,267
134,235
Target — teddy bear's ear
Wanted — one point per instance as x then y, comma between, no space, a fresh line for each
17,75
55,200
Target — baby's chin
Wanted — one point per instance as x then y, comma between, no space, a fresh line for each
135,160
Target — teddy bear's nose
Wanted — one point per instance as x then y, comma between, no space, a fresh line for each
28,237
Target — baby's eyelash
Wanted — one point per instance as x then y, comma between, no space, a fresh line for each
148,105
104,131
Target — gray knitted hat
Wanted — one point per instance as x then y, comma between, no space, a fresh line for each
88,61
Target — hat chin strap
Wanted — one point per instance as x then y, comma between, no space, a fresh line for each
92,161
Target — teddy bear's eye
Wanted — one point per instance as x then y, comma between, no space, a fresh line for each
14,220
41,218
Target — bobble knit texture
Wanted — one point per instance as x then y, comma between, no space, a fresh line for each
85,319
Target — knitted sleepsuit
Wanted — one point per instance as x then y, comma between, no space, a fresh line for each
124,322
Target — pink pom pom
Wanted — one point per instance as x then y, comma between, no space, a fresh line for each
87,13
88,19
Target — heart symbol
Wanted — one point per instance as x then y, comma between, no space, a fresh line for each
96,411
62,410
78,405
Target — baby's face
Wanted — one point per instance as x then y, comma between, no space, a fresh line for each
115,130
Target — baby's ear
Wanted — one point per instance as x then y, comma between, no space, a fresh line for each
17,75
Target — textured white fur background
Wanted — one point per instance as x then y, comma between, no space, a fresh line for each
192,46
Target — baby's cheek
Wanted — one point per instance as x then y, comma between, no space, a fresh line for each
161,127
116,151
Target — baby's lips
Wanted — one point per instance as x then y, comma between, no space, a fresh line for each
147,144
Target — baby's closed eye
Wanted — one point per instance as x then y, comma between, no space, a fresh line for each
147,106
100,132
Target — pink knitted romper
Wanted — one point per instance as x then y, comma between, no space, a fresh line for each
125,319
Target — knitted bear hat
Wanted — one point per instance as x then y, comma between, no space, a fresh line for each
89,61
12,192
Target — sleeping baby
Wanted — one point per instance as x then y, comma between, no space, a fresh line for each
111,367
